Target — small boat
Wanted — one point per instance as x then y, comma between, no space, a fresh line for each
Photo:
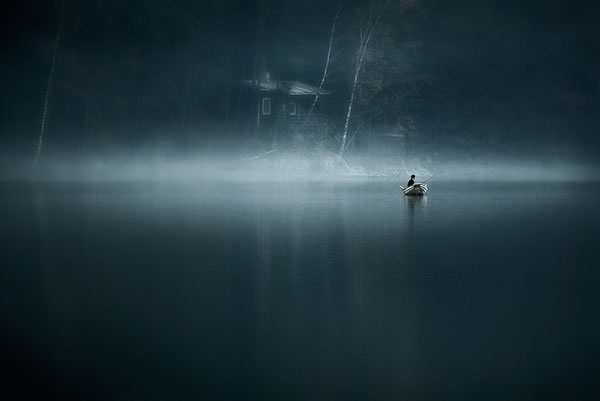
415,189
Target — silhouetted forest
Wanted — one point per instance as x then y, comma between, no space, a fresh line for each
472,74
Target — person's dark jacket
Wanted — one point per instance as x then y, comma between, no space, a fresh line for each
410,182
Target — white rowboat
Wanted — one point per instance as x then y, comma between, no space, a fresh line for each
415,189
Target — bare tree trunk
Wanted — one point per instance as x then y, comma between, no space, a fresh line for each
366,34
259,38
312,106
359,59
48,88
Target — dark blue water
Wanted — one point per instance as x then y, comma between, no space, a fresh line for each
344,291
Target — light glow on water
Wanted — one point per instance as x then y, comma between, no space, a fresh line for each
295,167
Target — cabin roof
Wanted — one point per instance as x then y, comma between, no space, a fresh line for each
292,88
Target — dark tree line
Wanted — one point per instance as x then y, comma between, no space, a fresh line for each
482,73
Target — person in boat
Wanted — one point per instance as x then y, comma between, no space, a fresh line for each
411,181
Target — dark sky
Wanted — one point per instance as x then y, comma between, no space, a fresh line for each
526,71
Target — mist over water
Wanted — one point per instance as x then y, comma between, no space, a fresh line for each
191,231
300,290
288,165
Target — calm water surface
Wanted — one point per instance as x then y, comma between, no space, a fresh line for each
344,291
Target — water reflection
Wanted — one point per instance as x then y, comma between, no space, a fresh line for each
416,206
310,292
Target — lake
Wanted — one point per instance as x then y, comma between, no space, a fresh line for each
300,291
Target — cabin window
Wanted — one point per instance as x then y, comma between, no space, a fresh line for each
292,107
266,106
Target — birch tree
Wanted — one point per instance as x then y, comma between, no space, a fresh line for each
260,30
46,97
367,30
326,68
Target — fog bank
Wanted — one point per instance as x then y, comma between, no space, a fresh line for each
277,165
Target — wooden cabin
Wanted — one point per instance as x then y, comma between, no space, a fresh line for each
273,107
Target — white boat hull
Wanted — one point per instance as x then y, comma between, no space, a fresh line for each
415,189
